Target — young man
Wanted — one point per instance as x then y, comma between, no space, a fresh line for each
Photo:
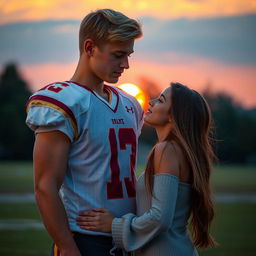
86,137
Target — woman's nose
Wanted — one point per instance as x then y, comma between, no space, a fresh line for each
152,102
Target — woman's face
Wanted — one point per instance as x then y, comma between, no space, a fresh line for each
158,113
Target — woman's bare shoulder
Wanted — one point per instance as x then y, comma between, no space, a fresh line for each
167,158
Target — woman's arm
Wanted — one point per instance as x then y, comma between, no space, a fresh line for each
132,232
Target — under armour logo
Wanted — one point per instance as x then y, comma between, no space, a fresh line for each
129,109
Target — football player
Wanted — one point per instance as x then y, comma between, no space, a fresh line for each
86,137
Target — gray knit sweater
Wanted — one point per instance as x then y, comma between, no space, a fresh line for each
160,225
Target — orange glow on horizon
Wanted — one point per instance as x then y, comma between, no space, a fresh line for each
237,81
136,92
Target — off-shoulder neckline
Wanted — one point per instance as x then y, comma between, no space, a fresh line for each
172,176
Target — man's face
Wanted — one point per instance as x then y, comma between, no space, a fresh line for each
109,61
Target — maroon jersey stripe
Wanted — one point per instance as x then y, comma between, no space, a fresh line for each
55,102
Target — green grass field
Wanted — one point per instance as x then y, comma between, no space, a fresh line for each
234,226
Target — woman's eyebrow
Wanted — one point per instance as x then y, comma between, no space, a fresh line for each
163,96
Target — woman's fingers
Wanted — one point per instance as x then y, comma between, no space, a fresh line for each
89,224
86,218
96,219
102,210
88,213
93,212
90,228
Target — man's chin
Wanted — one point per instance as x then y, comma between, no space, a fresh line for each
112,80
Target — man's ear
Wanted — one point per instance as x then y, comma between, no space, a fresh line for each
89,47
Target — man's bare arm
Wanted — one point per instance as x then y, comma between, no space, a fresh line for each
50,164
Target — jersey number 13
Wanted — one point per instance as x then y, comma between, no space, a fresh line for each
126,136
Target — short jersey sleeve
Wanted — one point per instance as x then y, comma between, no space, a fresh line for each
57,107
45,119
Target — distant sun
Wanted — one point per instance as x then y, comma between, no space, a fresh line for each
136,92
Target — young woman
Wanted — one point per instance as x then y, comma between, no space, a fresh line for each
175,189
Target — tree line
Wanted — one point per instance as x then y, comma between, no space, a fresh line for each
234,126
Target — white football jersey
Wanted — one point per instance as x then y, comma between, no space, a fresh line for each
104,136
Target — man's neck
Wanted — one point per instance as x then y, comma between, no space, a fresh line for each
83,76
97,86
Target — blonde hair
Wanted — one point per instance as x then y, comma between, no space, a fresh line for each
106,25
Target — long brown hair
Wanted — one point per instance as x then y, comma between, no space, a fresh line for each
192,125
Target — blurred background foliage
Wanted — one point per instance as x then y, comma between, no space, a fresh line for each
16,139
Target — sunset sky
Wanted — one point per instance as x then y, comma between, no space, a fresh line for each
196,42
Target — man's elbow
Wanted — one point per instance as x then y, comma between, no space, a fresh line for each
43,190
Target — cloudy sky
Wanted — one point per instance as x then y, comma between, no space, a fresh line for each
197,42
